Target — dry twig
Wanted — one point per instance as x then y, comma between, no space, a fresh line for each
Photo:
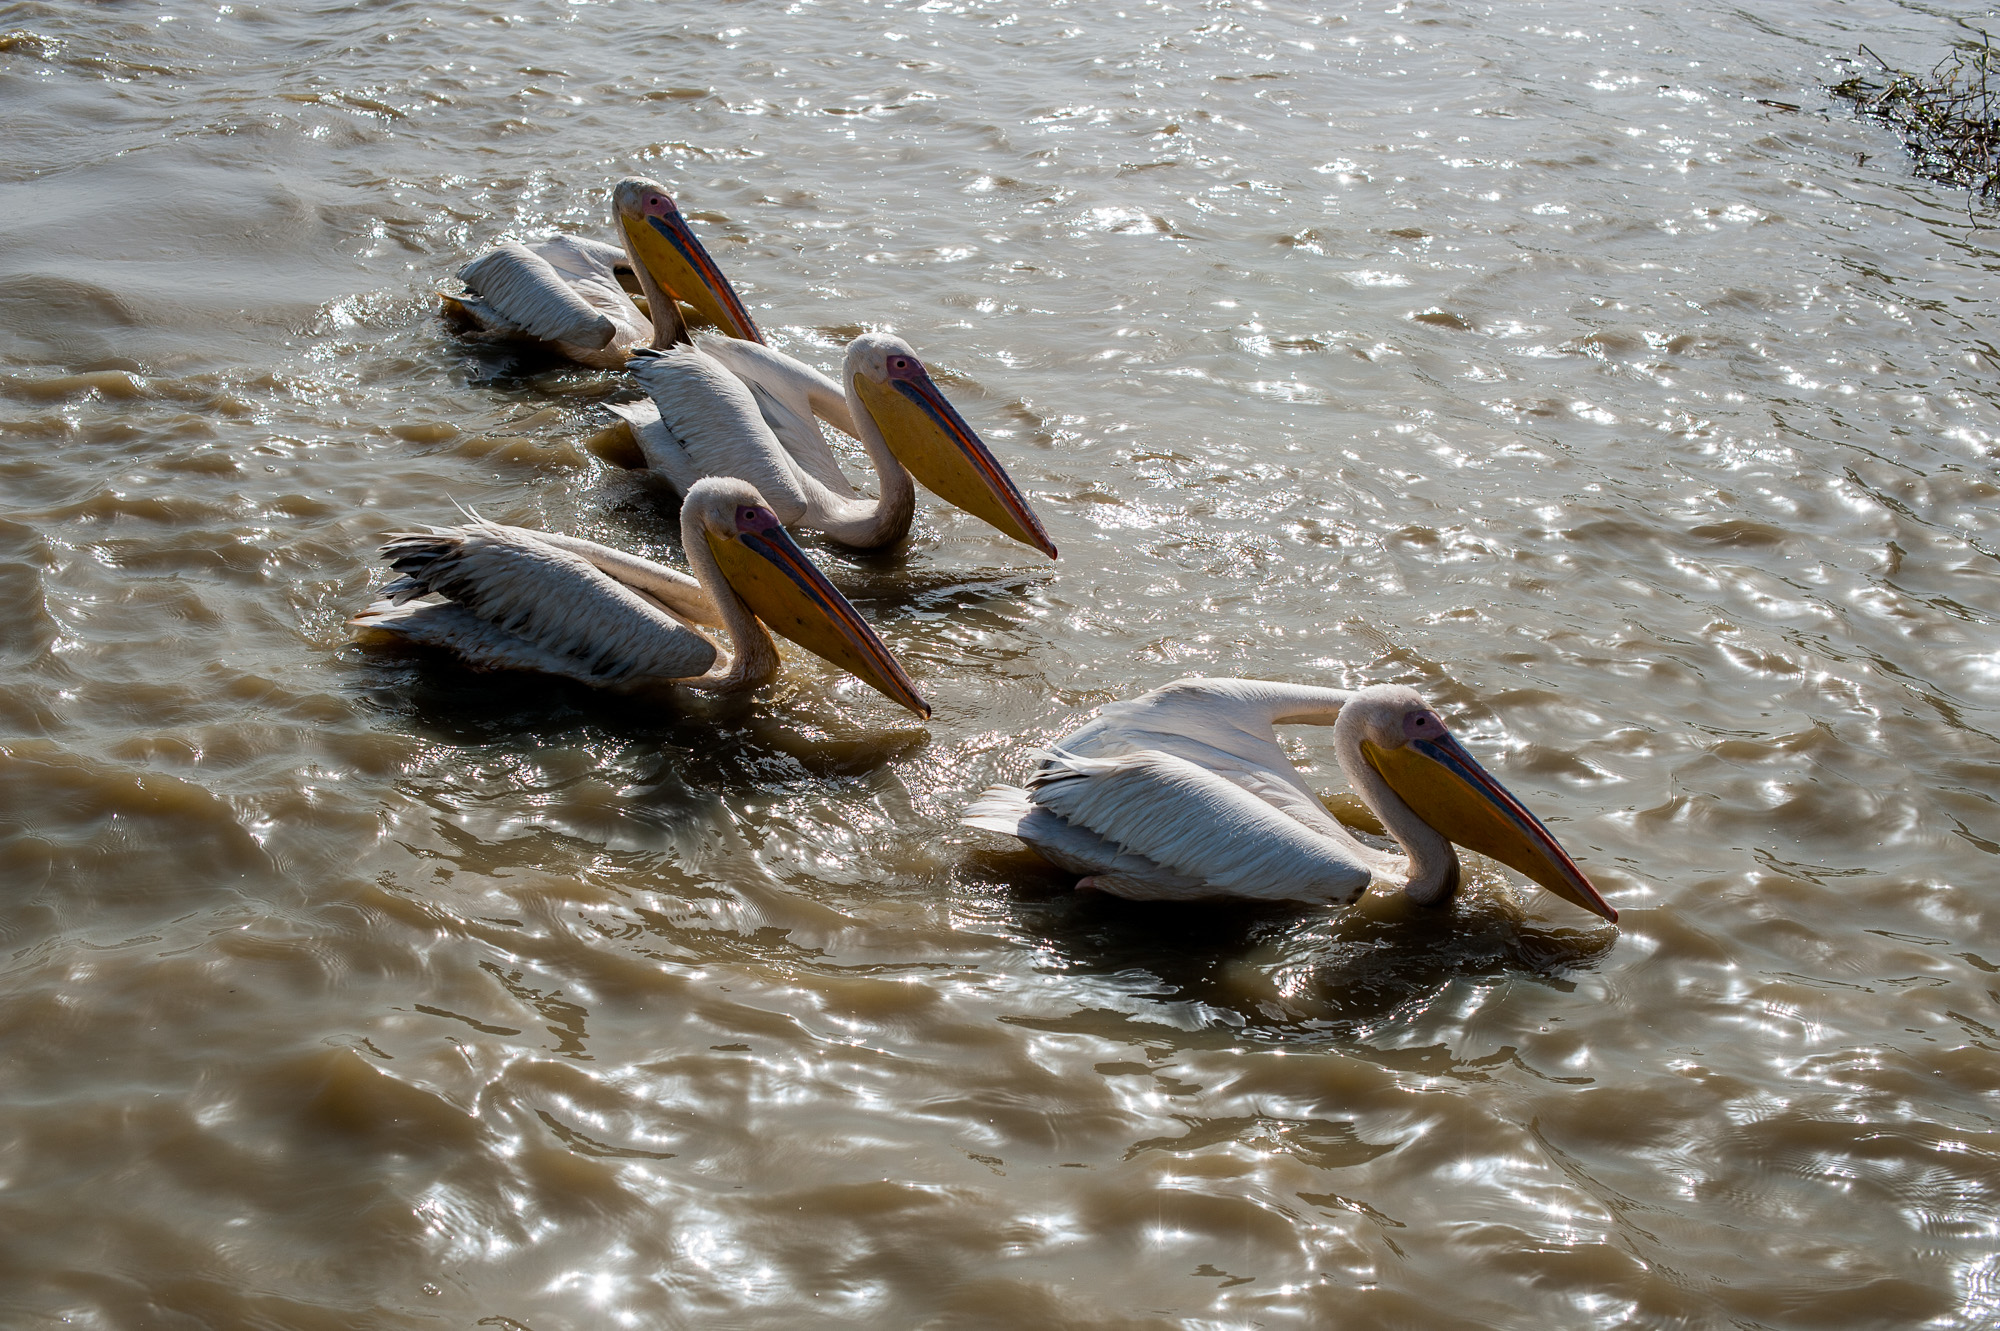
1949,119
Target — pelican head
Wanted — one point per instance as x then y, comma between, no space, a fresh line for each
658,237
928,436
786,590
1394,731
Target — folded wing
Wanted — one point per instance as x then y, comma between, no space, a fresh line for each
793,396
542,604
1196,825
531,294
715,419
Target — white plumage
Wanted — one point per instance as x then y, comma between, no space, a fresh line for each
507,598
563,291
793,397
768,433
513,599
701,420
1184,793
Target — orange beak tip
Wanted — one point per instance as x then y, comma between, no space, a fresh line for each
1597,905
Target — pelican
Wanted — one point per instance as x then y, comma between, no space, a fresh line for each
1183,793
565,292
515,599
728,407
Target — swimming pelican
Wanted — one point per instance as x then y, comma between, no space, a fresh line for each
1183,793
565,293
516,599
734,408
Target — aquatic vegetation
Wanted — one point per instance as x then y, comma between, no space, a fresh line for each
1948,118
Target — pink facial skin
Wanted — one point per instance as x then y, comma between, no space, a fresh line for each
750,518
1423,725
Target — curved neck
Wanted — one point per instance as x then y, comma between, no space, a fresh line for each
752,658
1430,876
866,523
1298,704
835,406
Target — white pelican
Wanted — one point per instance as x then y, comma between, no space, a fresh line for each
1183,793
565,293
736,408
516,599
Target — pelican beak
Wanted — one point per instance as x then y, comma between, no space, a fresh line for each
1445,787
788,592
928,436
660,239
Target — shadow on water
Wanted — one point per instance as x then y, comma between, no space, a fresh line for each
515,368
965,604
722,743
1285,971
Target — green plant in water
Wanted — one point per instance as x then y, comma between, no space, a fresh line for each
1948,119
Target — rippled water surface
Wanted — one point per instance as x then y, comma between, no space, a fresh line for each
1580,366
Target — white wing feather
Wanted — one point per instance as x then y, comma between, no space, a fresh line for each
792,395
591,268
663,453
481,644
674,591
803,443
529,292
478,318
1225,726
1197,825
1011,810
550,598
1184,792
716,421
582,257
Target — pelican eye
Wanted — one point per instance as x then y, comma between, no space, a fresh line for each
1421,725
751,518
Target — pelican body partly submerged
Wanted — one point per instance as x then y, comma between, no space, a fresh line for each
1183,794
761,425
513,599
726,407
565,292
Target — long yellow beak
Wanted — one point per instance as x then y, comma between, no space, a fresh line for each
679,264
928,436
1445,787
788,592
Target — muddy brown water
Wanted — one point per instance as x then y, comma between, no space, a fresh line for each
1536,356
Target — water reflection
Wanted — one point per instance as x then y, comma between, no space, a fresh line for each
737,742
1279,973
1667,455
